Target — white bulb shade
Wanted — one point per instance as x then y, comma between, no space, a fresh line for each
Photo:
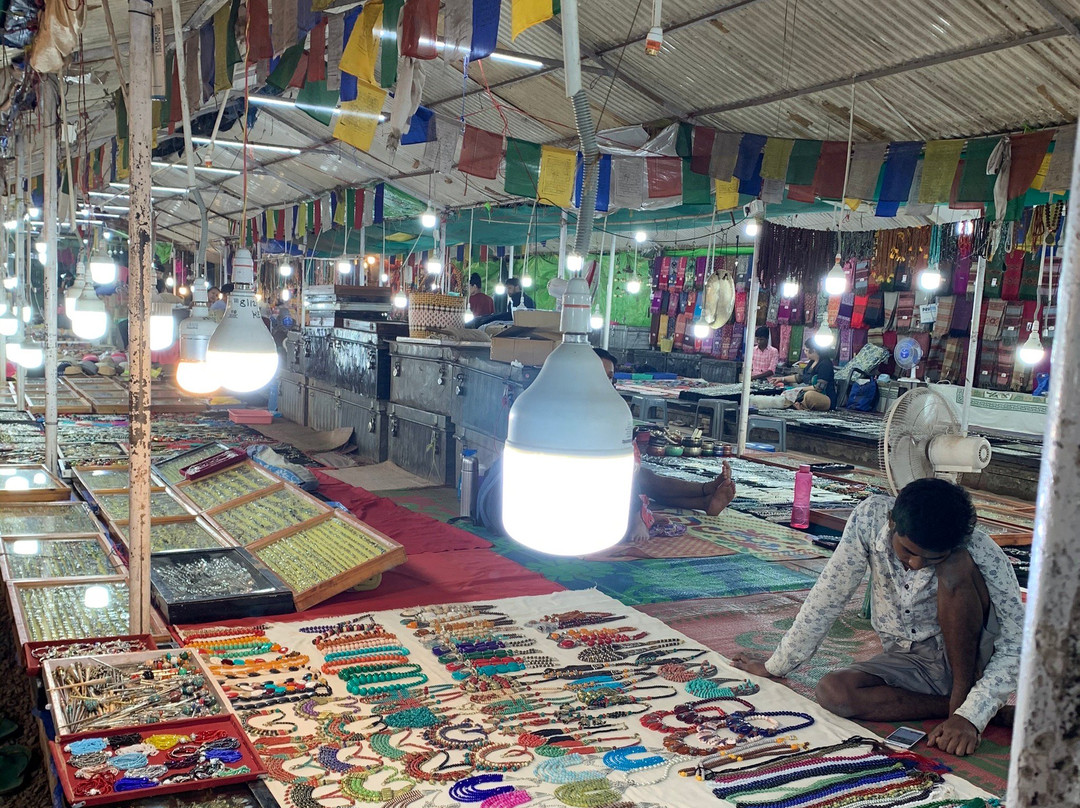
468,316
242,353
27,313
3,308
574,262
192,372
824,337
9,325
344,266
596,322
701,330
196,377
10,282
25,547
170,282
428,219
640,236
384,278
633,286
29,355
1032,351
41,246
33,213
569,458
500,288
401,300
285,270
752,228
89,320
102,269
433,266
285,295
930,279
789,289
96,597
162,331
836,280
526,282
108,235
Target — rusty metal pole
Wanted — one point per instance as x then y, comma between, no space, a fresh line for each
748,341
22,274
1045,766
49,209
140,283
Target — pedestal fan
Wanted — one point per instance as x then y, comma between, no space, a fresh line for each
908,353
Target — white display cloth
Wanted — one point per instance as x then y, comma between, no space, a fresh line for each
998,409
672,790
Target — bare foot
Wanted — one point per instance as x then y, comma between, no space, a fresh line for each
721,498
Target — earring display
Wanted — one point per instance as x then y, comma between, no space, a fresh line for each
232,483
57,558
183,534
266,515
197,586
72,611
47,518
171,470
162,503
321,560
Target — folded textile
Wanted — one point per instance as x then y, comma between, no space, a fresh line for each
944,315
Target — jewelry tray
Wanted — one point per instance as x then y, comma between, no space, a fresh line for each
84,521
39,484
33,664
270,597
10,559
227,723
209,539
169,470
56,706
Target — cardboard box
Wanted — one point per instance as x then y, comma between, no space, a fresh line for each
545,320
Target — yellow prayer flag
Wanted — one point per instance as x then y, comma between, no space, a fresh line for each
301,219
527,13
400,237
222,74
774,164
557,169
1040,178
339,210
727,194
362,49
853,203
358,119
940,159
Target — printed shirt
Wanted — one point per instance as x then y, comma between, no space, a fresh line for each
763,361
904,605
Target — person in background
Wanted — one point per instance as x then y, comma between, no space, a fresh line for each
817,381
946,606
480,304
765,358
213,295
223,298
711,497
518,299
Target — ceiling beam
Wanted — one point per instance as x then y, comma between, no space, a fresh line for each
1060,17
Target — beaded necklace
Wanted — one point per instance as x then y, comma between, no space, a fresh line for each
588,793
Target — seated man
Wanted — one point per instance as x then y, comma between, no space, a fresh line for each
945,604
711,497
765,357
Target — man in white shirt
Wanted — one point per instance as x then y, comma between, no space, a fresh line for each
945,603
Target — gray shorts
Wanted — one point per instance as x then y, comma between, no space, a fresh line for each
923,668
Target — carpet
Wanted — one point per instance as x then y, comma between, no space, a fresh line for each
686,546
743,533
656,580
756,623
304,438
381,477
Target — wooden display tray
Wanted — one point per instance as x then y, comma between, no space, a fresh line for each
82,506
158,629
57,491
33,664
68,400
155,489
229,724
82,474
48,671
393,557
118,567
280,485
180,488
181,460
222,540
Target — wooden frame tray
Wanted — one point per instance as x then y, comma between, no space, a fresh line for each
9,556
50,488
40,510
183,489
217,514
31,650
169,469
207,530
56,704
158,494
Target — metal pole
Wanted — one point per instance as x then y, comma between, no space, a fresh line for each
748,343
22,274
562,245
49,210
1046,736
140,271
610,289
973,344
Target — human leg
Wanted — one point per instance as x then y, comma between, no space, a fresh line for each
853,693
963,607
813,400
711,497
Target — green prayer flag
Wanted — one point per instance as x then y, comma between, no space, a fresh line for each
803,162
975,184
317,101
286,67
684,142
166,104
388,46
350,206
121,115
696,188
522,167
232,50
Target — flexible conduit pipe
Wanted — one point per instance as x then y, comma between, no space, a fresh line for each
586,129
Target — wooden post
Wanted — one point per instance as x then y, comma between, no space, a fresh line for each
140,284
49,211
973,345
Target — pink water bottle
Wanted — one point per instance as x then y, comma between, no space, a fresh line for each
800,508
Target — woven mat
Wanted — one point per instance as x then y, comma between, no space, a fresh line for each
381,477
686,546
742,533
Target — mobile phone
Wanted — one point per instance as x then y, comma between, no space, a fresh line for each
905,738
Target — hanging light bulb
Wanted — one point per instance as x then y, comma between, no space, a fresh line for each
193,374
27,314
89,320
641,236
526,282
33,212
930,278
429,218
633,286
469,317
384,278
596,321
285,270
370,260
102,269
344,266
183,291
242,353
9,323
108,235
702,329
752,228
433,266
400,299
41,246
836,280
569,457
574,262
500,288
170,282
789,288
162,326
10,282
29,354
824,337
1032,351
286,294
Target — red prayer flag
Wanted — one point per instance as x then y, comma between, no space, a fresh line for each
1028,152
299,75
420,29
318,216
664,175
483,252
481,153
829,177
800,193
701,150
260,46
176,114
279,225
316,66
359,196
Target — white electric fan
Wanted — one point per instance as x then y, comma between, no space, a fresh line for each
922,438
908,353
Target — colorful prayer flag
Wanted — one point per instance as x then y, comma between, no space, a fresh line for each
866,160
358,58
940,159
829,176
222,35
1059,173
899,173
316,68
727,194
421,127
388,48
420,29
481,153
524,14
522,168
259,43
774,166
603,183
358,119
802,164
556,184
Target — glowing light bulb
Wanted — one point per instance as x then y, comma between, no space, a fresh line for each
574,262
286,294
500,288
836,280
429,218
468,316
108,235
89,319
752,228
633,286
27,313
824,337
789,288
285,270
33,212
30,355
102,269
11,282
433,266
701,329
162,326
1032,351
640,236
596,322
9,324
400,300
183,291
344,266
526,282
384,278
170,282
930,279
371,260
